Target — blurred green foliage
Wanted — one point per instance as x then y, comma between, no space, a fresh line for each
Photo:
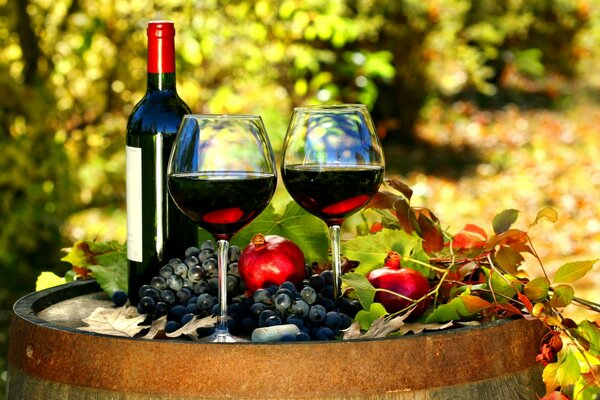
71,71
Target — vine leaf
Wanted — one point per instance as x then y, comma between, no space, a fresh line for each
565,372
107,261
191,328
366,318
121,321
503,221
537,289
295,224
365,292
572,271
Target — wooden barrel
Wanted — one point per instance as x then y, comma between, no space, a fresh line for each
50,359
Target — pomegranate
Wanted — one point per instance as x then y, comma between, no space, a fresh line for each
270,260
404,281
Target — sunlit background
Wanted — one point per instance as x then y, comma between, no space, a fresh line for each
481,106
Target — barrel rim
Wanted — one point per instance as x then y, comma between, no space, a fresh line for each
28,306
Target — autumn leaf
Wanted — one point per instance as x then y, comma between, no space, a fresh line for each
470,237
565,372
191,328
47,280
157,326
121,321
546,213
571,272
537,289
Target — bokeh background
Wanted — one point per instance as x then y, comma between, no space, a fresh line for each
481,106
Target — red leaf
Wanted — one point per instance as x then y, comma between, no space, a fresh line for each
406,216
433,239
385,200
514,238
376,227
470,237
556,396
526,302
400,186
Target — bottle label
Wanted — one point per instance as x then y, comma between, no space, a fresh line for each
134,203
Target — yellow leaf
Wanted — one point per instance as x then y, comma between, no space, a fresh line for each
47,280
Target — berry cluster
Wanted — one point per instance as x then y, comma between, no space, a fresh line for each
186,288
311,308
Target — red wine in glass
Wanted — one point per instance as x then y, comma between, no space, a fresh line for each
332,193
222,202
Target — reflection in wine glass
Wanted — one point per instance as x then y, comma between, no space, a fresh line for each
222,174
332,165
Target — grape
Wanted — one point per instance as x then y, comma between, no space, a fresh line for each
301,308
175,282
142,289
191,261
192,251
208,245
201,287
317,313
166,271
161,308
173,262
273,320
289,286
295,320
332,320
176,313
345,321
329,304
205,301
282,301
152,293
324,333
158,282
184,294
213,284
172,326
236,310
288,337
264,315
232,283
263,296
119,297
308,294
168,296
210,267
317,282
233,269
186,318
328,292
205,255
234,253
328,276
146,305
257,308
247,325
195,273
188,283
302,337
181,269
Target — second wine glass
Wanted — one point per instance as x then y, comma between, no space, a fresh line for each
332,166
222,174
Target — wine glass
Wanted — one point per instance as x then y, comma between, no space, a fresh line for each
222,174
332,166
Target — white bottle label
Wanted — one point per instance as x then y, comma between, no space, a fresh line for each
134,203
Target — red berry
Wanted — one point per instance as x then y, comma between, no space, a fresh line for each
271,260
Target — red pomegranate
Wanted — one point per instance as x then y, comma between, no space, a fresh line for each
269,260
404,281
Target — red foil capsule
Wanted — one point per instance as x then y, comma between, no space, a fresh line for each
161,47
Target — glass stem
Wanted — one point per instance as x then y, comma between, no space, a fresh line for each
223,258
336,262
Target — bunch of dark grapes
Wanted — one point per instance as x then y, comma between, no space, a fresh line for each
187,288
311,308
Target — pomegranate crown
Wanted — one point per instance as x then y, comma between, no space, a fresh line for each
392,260
259,241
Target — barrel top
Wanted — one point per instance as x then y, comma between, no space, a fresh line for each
45,343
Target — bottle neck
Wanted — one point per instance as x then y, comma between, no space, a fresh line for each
161,81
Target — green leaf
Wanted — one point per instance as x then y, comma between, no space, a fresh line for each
503,221
570,272
295,224
537,289
462,307
563,296
504,285
371,251
569,370
591,332
366,318
107,260
364,290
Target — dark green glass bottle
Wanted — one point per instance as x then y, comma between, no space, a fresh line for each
156,230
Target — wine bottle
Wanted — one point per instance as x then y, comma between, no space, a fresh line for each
156,230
